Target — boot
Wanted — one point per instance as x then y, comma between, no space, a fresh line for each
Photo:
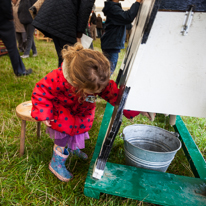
57,165
79,153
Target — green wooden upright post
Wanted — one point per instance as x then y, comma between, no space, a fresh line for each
191,150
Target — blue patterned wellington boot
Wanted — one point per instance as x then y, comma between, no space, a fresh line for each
79,153
57,165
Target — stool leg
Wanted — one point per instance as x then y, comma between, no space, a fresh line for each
38,129
22,138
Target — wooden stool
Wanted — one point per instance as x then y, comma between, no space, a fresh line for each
23,111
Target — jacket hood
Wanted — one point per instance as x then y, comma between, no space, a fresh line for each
65,71
108,6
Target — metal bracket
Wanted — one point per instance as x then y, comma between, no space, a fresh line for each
187,21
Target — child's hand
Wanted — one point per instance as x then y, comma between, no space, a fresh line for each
130,114
79,40
150,116
48,122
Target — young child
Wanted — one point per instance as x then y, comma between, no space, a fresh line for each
65,101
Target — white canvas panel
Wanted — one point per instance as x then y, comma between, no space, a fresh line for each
169,71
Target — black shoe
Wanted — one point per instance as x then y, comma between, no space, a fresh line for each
27,72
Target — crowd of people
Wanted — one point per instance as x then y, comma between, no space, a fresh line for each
64,32
64,100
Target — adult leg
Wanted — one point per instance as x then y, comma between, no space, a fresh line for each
30,40
59,44
20,41
113,58
99,32
93,31
98,35
7,34
33,47
24,39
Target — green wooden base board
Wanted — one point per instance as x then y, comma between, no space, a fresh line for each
146,185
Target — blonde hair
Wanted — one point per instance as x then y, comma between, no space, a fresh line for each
86,68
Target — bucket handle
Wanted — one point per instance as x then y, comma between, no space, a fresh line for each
121,136
176,134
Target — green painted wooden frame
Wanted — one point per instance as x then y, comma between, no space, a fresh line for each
148,185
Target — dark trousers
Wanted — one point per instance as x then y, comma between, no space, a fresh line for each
21,39
30,39
99,32
59,44
7,34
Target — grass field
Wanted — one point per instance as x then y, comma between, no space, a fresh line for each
26,180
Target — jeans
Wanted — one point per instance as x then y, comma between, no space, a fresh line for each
113,58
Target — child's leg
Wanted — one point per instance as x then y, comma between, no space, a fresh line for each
60,144
76,143
57,164
79,153
60,149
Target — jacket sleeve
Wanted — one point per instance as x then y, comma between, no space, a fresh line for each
110,93
43,94
122,17
85,9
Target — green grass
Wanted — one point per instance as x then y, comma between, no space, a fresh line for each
26,180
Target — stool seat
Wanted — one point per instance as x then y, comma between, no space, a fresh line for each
23,111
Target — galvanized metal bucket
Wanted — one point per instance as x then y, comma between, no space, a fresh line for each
149,147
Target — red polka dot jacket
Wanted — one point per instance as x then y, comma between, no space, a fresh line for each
54,98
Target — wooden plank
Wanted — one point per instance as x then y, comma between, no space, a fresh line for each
147,185
192,152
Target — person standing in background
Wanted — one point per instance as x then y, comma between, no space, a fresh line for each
99,26
63,21
103,26
93,22
20,31
115,28
26,19
7,34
